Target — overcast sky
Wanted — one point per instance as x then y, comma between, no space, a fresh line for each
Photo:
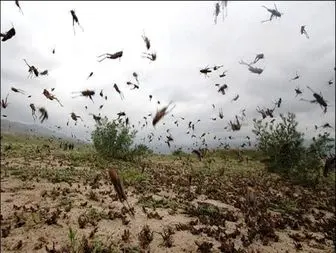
186,39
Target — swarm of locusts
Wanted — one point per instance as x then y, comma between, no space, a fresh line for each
221,90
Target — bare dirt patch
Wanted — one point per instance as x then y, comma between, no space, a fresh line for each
63,202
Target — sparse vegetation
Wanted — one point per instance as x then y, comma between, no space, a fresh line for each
227,202
215,189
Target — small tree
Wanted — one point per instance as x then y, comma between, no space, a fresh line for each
113,139
282,143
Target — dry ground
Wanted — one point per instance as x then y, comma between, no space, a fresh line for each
63,199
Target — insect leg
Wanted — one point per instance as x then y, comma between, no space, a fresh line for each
80,26
102,55
26,62
103,58
170,109
275,7
58,101
266,21
270,19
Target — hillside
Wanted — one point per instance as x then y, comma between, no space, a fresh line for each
11,127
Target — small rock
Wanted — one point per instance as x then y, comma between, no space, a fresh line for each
157,198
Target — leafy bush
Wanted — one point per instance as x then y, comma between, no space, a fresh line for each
282,143
309,169
284,146
323,145
138,152
142,150
113,139
178,152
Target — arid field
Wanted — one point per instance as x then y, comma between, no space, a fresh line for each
62,201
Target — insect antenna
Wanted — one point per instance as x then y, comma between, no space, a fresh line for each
310,89
275,7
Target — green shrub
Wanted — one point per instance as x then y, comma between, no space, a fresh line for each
282,143
113,139
138,152
178,152
142,150
309,170
284,146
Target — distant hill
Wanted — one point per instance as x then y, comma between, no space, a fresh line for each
8,126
